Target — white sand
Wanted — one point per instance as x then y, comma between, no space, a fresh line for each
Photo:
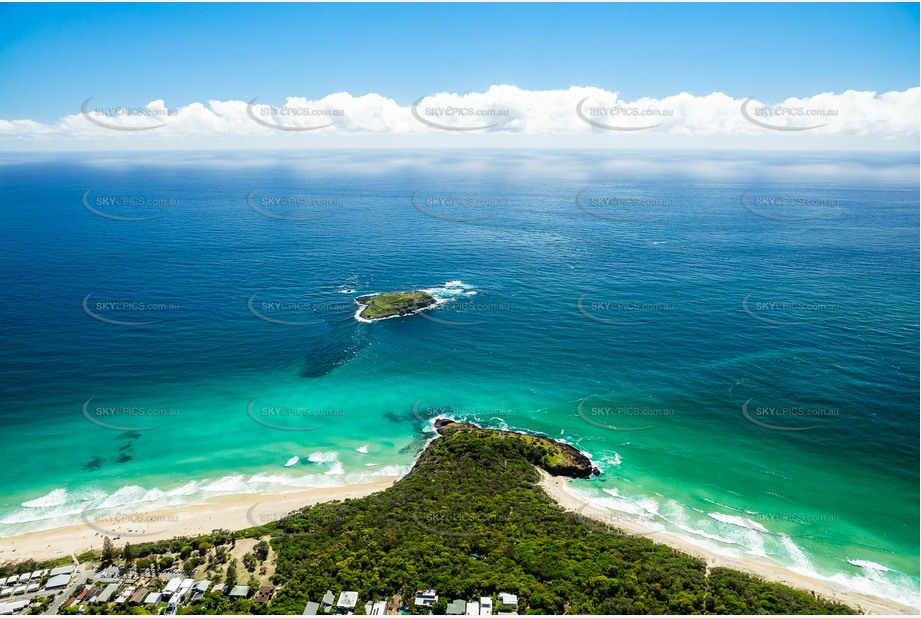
227,512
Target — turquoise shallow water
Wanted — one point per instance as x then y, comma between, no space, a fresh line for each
743,370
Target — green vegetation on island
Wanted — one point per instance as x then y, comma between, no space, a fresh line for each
389,304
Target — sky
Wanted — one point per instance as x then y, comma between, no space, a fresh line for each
54,57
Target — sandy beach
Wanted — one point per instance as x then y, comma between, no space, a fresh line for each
556,487
247,510
227,512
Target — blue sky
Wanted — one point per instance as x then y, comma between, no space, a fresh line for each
53,57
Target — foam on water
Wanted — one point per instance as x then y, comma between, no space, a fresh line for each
735,536
323,457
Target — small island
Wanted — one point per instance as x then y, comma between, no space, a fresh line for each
392,304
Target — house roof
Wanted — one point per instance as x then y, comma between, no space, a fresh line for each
311,609
348,599
264,594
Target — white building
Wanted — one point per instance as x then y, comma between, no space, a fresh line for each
473,608
378,608
171,587
426,598
348,599
485,606
507,599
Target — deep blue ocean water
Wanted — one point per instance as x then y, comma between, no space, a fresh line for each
732,337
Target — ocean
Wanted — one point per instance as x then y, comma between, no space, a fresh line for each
732,337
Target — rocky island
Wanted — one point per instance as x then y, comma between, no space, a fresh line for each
392,304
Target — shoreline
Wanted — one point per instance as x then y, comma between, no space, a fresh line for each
239,511
556,488
232,512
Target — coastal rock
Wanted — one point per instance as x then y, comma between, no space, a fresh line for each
557,458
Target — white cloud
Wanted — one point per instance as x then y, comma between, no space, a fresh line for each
502,111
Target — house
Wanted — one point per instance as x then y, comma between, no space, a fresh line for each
378,609
509,600
91,594
106,594
457,607
485,606
57,581
24,578
152,599
185,588
310,609
328,600
426,598
264,594
171,587
12,580
64,570
239,592
13,607
348,599
138,596
473,608
219,588
200,589
19,590
32,587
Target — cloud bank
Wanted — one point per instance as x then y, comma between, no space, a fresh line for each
501,111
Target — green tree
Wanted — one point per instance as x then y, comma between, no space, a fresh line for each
108,552
261,549
231,577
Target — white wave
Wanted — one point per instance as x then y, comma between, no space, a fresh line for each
323,457
56,497
736,520
336,469
371,465
363,449
870,566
